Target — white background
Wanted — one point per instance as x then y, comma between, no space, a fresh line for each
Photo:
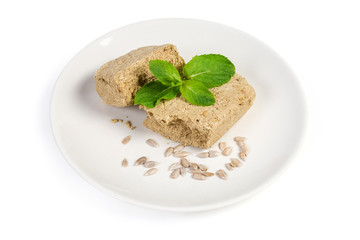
318,197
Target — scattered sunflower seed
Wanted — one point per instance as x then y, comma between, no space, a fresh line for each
185,163
124,162
140,161
242,156
169,151
222,174
208,174
236,162
174,166
241,143
244,149
222,146
183,171
194,166
150,164
199,176
175,173
213,153
203,155
152,142
237,139
126,140
181,154
227,151
151,171
229,166
179,148
114,120
203,167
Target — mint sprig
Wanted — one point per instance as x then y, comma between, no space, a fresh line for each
199,74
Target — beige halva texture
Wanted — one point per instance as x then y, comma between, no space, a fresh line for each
118,81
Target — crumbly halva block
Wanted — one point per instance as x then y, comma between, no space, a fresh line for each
118,80
201,126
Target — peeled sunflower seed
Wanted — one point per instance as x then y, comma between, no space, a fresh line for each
194,165
182,171
222,174
213,153
222,146
244,149
126,140
140,161
124,162
169,151
227,151
237,139
152,142
242,156
181,154
174,166
179,148
203,155
151,171
229,166
199,176
192,170
185,163
236,162
208,174
241,143
203,167
175,173
149,164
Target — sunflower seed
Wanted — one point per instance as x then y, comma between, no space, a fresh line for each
192,170
124,162
241,143
199,176
222,174
203,167
150,164
175,173
208,174
242,156
140,161
126,140
169,151
114,120
203,155
152,142
174,166
194,165
181,154
222,146
236,162
183,171
244,149
185,163
213,153
229,166
227,151
151,171
237,139
179,148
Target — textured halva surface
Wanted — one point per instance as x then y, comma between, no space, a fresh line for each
118,80
201,126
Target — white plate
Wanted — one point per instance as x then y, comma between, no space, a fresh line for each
92,144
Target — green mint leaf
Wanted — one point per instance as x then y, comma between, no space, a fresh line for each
212,70
152,92
165,72
196,93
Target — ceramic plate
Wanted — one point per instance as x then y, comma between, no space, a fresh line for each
92,144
